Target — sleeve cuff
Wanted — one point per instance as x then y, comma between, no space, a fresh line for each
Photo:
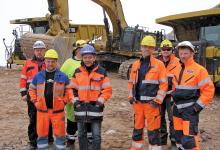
23,93
197,107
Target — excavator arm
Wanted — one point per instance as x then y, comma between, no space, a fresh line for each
115,12
58,18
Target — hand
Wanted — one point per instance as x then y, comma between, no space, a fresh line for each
154,104
99,104
197,108
132,100
76,104
24,98
37,105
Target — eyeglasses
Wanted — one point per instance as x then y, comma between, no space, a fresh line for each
166,49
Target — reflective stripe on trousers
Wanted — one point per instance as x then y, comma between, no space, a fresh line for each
180,106
155,147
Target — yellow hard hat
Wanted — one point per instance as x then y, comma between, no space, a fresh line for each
51,53
148,41
166,43
78,44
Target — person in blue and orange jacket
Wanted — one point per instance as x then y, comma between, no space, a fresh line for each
30,69
148,86
91,88
192,91
50,91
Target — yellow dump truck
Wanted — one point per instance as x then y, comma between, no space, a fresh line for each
202,28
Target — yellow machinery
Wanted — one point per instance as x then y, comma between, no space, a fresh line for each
123,44
119,47
202,28
56,31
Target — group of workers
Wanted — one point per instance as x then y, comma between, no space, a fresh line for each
80,88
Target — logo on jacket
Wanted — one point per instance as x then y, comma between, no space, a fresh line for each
50,81
190,71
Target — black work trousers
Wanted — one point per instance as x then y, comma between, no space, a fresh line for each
166,106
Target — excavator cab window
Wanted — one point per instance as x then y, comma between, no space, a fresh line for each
130,39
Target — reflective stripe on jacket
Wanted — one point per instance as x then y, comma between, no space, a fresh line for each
88,89
172,65
154,86
62,93
29,70
193,86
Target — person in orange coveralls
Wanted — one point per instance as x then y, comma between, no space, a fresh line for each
148,86
50,91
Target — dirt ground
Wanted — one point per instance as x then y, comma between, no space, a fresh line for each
118,120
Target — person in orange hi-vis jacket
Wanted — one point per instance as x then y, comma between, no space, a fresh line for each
30,69
170,62
50,91
192,91
148,86
91,88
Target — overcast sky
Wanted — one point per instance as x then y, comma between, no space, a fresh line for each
142,12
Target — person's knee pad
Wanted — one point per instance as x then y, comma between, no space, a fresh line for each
137,134
188,142
154,137
178,135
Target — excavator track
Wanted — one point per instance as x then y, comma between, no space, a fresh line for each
125,67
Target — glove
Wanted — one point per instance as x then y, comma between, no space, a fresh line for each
197,108
154,104
37,105
132,100
76,104
99,104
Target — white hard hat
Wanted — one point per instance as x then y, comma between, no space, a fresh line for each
186,44
39,44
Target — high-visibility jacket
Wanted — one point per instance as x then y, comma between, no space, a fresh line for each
62,92
154,86
88,89
29,70
69,67
172,65
192,85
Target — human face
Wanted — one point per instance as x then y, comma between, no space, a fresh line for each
185,54
51,64
89,59
39,52
166,51
146,50
78,55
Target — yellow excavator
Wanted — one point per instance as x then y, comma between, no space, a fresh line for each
202,28
118,48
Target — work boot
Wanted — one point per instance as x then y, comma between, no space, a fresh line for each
32,146
50,140
90,138
173,146
70,144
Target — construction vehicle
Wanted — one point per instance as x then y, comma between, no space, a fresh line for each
120,47
123,44
202,28
55,30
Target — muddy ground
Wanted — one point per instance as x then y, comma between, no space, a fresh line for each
118,120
